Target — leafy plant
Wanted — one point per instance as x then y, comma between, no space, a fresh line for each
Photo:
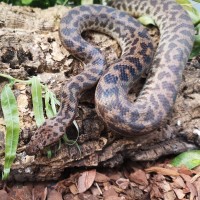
190,159
195,16
49,3
11,115
36,92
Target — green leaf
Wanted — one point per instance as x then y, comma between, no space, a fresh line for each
10,78
189,159
49,154
86,2
61,2
192,11
54,102
197,28
71,142
26,2
194,15
196,47
11,116
50,103
67,140
198,1
187,5
146,20
48,108
36,92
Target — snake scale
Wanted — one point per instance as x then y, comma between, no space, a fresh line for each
157,97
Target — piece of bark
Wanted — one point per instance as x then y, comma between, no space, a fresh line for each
30,45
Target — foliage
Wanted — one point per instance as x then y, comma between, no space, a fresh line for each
49,3
36,91
11,115
195,16
189,159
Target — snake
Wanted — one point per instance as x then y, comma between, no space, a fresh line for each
165,67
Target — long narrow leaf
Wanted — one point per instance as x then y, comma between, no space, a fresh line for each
11,116
36,92
50,103
48,108
54,102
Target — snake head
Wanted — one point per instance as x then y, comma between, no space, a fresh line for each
46,135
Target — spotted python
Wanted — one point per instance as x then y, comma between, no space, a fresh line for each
157,97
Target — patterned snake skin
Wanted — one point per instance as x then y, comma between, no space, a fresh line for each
156,99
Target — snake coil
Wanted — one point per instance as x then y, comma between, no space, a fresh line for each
156,99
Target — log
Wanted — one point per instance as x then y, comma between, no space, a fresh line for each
30,46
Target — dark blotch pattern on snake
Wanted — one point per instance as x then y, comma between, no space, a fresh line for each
156,99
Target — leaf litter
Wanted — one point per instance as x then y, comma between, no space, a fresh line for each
132,181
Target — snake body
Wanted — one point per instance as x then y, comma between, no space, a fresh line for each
156,99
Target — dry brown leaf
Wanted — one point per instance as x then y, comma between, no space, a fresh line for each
86,180
62,186
186,171
54,195
178,183
123,183
193,191
106,185
164,186
139,177
186,177
110,194
101,178
96,191
190,186
39,192
73,189
3,195
179,193
186,190
197,185
115,175
197,169
22,193
85,196
158,178
169,195
155,192
194,178
68,197
163,171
